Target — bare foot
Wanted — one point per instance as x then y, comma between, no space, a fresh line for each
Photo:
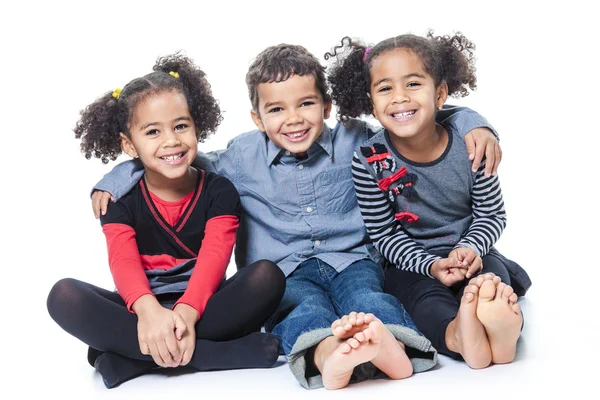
498,311
391,358
466,334
347,326
337,361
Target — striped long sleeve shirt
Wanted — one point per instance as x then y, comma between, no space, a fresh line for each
412,209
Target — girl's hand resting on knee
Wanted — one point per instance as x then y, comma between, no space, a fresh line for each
158,329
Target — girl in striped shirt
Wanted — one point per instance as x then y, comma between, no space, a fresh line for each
428,213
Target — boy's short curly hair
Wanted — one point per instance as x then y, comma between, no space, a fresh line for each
278,63
102,121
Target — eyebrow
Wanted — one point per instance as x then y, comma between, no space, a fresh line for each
149,124
408,76
309,97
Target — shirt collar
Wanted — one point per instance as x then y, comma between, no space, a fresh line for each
274,152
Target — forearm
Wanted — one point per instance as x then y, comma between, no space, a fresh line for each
212,262
489,216
125,263
385,231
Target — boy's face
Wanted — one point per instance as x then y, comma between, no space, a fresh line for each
291,113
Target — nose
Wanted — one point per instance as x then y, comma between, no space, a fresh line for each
400,96
293,117
171,139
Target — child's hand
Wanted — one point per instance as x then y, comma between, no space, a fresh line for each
448,271
482,141
157,328
100,202
187,340
469,260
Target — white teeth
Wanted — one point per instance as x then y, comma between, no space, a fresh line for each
172,158
295,135
403,114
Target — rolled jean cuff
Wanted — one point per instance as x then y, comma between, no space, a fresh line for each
418,348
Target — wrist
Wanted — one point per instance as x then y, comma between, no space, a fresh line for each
187,312
145,304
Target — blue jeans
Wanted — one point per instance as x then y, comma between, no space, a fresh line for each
316,295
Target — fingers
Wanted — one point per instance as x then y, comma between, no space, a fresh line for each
480,151
100,201
186,356
156,355
174,351
475,266
165,354
497,158
470,142
180,326
490,157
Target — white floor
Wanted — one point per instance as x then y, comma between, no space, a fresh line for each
537,84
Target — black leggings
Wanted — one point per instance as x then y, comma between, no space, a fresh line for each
430,303
100,318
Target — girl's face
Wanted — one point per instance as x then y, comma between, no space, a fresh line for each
404,96
163,136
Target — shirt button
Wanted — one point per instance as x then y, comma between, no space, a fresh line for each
300,166
317,242
308,209
287,153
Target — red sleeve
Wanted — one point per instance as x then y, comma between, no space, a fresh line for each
125,263
212,262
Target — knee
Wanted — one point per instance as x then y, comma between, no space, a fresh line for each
61,296
270,277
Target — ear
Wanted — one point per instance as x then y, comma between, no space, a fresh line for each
257,121
127,146
441,95
327,110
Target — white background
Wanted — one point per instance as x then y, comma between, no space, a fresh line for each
537,85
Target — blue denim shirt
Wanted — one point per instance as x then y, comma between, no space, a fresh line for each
294,209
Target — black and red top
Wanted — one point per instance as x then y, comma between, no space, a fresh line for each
148,237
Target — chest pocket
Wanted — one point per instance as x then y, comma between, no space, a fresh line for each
338,190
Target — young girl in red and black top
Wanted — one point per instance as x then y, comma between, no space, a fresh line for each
169,242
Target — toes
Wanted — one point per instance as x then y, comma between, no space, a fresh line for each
345,322
368,333
507,292
353,343
470,293
487,291
360,318
496,280
360,336
369,318
345,348
499,289
336,324
513,298
352,318
516,308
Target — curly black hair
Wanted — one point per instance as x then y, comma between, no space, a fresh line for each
278,63
103,120
445,58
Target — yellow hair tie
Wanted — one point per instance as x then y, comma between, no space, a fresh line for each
174,74
116,93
